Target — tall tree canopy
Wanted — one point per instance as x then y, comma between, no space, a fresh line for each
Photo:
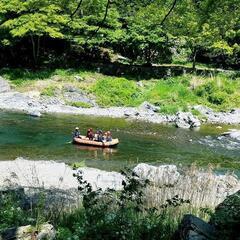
146,31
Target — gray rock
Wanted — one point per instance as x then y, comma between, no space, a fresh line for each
186,120
228,117
194,228
203,110
45,231
72,94
130,112
4,85
149,107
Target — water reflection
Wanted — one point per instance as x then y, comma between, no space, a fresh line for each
97,152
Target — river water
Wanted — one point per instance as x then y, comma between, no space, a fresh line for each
49,137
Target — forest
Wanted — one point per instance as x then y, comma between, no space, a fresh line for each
61,33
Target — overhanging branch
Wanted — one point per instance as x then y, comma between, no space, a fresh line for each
103,20
77,8
169,12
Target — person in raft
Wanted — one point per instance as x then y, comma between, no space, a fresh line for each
90,134
108,136
99,136
76,133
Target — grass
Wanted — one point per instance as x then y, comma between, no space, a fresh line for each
49,91
220,92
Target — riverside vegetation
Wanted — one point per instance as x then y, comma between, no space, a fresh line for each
106,214
51,39
113,214
219,92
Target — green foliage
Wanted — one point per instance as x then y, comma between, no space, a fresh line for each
11,214
219,92
227,217
77,165
121,214
116,92
49,91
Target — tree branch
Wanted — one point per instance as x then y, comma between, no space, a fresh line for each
103,20
77,8
169,12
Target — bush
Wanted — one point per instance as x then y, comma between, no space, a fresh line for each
118,214
116,92
49,91
217,98
11,214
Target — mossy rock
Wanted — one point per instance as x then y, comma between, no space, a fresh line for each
227,218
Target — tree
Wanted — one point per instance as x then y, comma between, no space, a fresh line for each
33,20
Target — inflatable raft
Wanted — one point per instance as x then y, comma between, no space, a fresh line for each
85,141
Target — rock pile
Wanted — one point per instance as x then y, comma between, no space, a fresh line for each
186,120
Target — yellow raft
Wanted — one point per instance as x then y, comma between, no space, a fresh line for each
85,141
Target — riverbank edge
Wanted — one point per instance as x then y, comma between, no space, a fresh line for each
35,106
166,181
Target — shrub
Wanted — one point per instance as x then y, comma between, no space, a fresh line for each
49,91
217,98
118,214
116,92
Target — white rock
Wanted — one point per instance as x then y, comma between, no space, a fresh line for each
4,85
233,133
163,175
34,113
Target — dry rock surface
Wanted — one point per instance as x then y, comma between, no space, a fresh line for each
201,188
229,117
4,85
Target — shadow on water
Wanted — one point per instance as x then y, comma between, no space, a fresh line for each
49,137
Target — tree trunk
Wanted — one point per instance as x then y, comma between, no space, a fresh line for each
35,49
194,59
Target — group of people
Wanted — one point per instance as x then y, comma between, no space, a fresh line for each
99,135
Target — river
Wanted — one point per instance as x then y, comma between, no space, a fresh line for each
49,137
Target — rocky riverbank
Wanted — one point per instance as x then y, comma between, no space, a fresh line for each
203,189
35,105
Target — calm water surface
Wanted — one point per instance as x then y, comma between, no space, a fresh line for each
49,137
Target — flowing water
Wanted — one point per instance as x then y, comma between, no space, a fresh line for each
49,138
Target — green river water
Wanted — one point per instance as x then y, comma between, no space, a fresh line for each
48,138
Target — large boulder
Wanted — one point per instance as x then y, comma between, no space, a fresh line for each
233,133
4,85
165,175
227,218
186,120
194,228
45,231
146,106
